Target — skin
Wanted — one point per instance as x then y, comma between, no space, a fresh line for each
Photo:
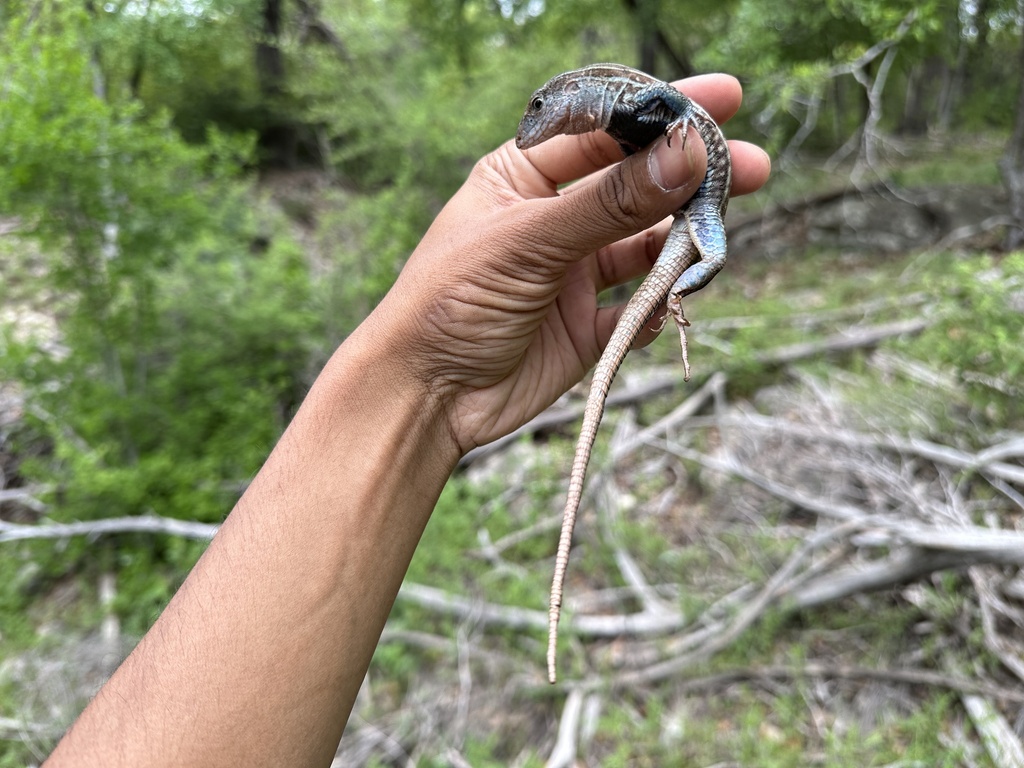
258,658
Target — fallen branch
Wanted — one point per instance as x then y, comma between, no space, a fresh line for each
814,319
911,676
25,497
727,633
842,342
839,342
93,528
564,753
556,417
900,568
798,498
986,461
1000,740
514,617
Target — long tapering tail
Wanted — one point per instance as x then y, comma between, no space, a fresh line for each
677,255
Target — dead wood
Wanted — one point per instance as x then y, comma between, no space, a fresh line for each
987,461
826,670
188,529
842,342
1000,740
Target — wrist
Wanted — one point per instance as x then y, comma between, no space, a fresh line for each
370,380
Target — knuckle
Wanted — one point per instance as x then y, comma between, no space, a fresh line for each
621,200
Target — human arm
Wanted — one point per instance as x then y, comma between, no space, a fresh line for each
259,657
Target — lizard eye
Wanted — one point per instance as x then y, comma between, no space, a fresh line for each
537,104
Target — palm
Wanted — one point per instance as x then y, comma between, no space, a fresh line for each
528,332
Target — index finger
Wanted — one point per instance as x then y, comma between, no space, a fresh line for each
567,158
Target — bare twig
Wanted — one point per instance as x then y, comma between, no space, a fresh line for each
18,730
465,684
866,135
841,342
514,617
815,319
811,503
972,230
564,753
1001,743
514,538
142,524
942,454
24,496
1006,650
825,670
679,415
779,582
609,508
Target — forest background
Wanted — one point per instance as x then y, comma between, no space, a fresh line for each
199,199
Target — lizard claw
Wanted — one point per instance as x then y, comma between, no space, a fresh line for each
681,124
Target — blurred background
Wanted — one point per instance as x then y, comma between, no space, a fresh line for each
814,560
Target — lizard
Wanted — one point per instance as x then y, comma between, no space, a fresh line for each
633,108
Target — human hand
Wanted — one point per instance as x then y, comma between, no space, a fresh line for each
496,314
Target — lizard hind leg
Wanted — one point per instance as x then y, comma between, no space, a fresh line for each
706,234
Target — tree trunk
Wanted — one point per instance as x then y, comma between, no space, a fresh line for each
278,136
647,22
913,121
269,61
652,41
1012,166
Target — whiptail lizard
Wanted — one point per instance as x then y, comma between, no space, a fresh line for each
634,109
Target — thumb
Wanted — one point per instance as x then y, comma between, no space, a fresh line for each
628,198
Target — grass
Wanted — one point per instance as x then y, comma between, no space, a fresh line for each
747,726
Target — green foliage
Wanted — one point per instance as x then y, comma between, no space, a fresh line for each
196,64
187,317
980,332
442,557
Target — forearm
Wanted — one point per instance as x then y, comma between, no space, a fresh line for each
259,656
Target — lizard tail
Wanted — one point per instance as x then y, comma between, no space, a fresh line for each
591,419
638,311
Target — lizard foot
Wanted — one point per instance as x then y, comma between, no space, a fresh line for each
661,324
676,310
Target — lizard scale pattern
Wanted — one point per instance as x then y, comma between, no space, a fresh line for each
634,109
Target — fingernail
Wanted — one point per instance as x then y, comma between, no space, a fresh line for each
671,167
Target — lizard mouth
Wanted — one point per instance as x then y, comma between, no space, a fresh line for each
526,137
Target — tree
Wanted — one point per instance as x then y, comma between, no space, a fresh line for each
1012,162
186,320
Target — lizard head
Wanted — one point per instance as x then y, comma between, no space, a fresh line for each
550,111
